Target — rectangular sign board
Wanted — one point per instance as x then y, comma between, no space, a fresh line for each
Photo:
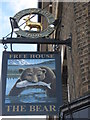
31,83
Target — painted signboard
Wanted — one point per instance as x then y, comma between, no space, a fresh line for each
31,83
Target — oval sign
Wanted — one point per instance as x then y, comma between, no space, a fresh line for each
44,33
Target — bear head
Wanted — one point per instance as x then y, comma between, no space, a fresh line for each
32,74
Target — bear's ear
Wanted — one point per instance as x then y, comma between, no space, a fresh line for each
44,70
21,70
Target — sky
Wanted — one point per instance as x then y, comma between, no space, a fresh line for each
8,8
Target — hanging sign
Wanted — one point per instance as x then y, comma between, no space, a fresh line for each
31,83
26,15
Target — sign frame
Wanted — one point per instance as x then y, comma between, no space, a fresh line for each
37,108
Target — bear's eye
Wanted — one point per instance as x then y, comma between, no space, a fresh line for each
29,74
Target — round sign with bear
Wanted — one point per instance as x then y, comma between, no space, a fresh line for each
40,32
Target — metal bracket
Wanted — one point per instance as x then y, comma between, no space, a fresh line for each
11,47
67,42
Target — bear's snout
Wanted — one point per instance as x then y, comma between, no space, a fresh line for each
33,78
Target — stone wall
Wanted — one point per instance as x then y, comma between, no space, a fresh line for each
82,30
75,17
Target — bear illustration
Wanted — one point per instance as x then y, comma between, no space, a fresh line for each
37,77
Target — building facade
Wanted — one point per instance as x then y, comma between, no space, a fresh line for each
75,21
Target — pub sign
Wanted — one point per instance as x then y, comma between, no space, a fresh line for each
31,83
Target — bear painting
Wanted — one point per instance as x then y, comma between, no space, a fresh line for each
36,77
